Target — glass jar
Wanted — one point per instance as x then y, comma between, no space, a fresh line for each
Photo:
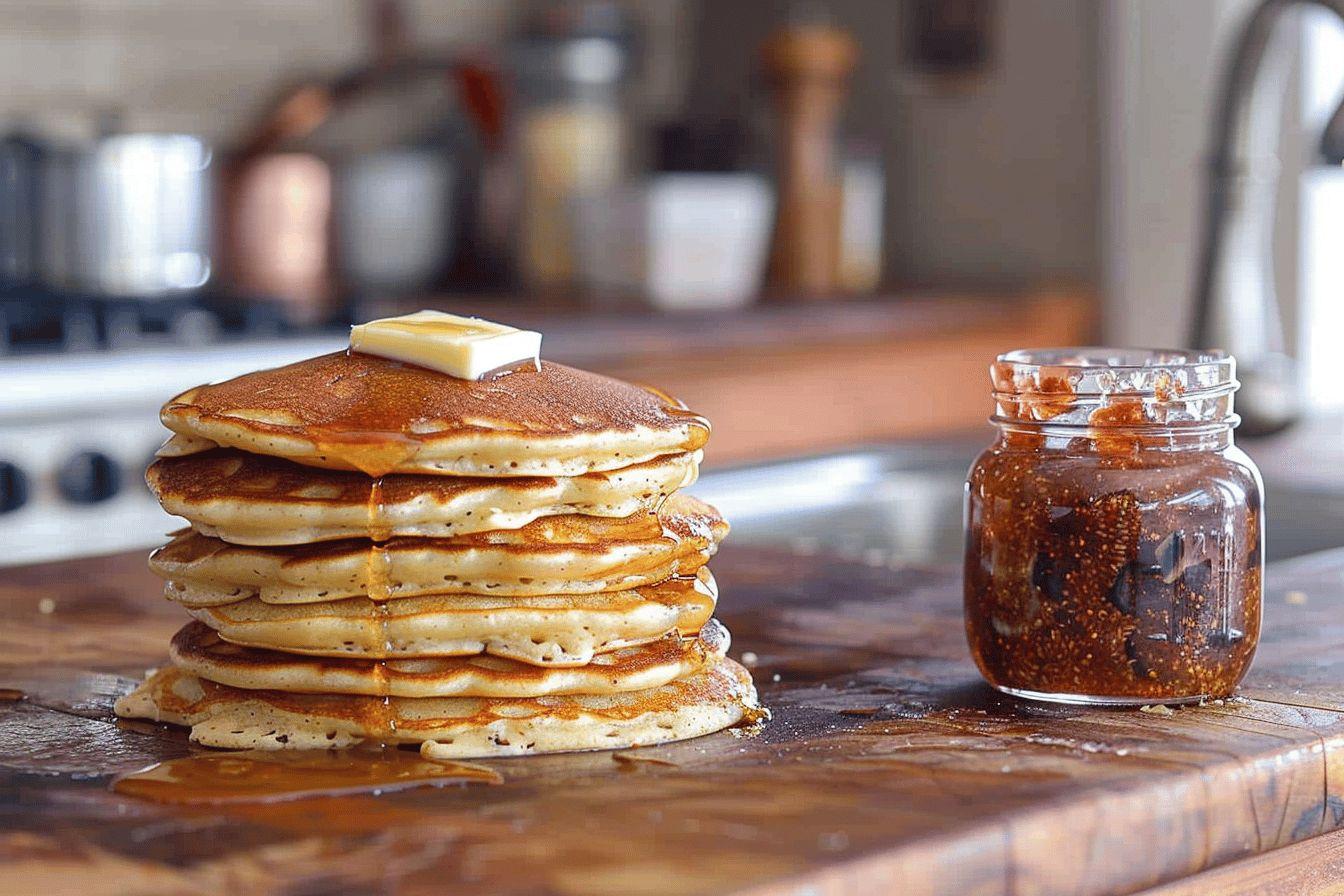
1113,531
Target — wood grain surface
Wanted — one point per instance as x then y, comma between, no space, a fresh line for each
888,767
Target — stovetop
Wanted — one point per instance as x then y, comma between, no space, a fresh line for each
38,321
83,379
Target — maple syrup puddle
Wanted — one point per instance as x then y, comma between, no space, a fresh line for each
270,776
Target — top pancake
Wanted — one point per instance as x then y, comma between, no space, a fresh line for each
353,411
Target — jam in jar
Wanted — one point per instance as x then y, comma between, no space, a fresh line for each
1113,531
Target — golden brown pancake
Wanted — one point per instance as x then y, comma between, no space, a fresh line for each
553,555
381,552
253,499
353,411
557,630
714,697
199,650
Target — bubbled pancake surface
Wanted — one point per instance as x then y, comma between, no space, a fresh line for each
715,696
554,555
252,499
560,630
199,650
349,410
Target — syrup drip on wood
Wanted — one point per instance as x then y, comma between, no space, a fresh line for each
264,776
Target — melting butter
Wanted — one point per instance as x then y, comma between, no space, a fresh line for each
464,347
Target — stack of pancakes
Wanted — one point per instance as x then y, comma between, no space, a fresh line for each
382,553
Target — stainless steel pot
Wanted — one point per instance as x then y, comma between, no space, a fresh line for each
151,213
128,215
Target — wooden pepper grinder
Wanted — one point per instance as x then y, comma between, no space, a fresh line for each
808,66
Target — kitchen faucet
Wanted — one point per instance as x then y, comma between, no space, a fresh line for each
1236,308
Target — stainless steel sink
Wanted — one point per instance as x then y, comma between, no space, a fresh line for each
903,504
894,504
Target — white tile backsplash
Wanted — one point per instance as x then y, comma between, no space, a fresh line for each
209,66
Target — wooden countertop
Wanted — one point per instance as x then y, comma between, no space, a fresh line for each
888,766
634,336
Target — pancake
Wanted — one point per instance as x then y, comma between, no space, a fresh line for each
558,630
199,650
352,411
714,697
553,555
252,499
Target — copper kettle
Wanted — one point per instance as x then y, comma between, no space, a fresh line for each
278,212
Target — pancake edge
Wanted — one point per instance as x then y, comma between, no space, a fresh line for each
719,696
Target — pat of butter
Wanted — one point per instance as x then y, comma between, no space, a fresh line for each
465,347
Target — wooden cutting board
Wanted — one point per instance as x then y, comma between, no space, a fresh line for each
888,766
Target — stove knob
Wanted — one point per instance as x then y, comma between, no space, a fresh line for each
13,487
88,477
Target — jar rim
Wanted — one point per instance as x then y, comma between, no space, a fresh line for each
1091,357
1098,387
1102,371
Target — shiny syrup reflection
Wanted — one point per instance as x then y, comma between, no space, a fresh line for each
265,776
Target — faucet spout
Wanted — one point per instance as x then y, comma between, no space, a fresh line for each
1236,308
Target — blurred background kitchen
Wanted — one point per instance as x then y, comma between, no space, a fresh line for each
817,222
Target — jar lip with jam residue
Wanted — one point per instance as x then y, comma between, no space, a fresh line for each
1191,392
1113,541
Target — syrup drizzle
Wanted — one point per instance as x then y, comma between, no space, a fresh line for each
378,587
378,526
377,569
372,453
264,776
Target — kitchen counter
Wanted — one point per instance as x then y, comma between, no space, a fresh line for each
888,766
778,380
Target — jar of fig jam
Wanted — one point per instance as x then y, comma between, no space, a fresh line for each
1113,531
